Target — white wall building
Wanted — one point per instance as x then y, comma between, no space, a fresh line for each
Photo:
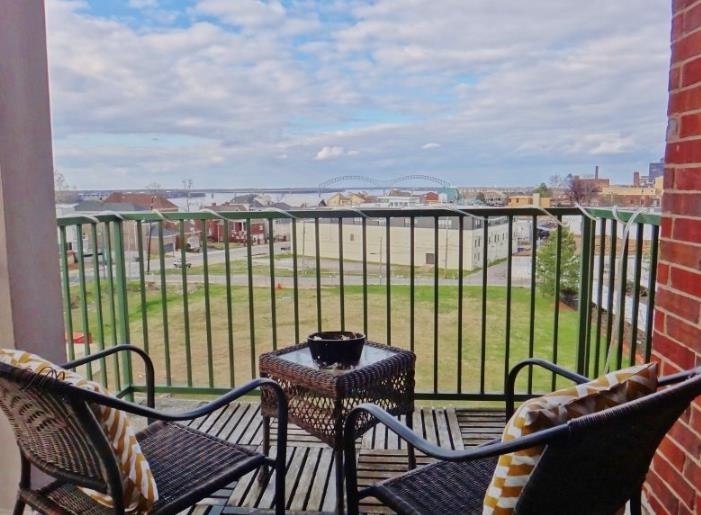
445,254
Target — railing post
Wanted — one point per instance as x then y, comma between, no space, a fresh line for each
66,291
585,286
122,304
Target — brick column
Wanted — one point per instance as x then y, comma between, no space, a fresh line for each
674,483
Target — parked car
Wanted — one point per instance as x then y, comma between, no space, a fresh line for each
193,244
179,264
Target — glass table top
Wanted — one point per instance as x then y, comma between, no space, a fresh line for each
370,355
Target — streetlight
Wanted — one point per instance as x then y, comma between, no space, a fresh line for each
380,274
148,246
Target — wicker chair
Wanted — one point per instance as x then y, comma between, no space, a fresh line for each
591,465
58,433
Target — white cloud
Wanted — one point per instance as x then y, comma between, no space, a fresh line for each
246,13
329,152
612,144
509,89
142,4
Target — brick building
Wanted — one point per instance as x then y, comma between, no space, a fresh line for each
237,229
674,483
628,196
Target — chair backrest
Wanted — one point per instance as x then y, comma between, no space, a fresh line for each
57,431
603,459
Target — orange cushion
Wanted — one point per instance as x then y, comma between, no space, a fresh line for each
140,491
514,469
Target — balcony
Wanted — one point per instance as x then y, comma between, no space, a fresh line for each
459,287
310,477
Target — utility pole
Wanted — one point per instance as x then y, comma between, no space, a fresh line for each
380,253
445,258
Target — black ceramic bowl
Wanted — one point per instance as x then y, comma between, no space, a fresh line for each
342,348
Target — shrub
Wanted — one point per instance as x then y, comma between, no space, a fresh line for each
546,264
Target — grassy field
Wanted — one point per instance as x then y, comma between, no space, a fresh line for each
227,355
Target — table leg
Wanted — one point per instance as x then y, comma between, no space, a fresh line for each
338,463
266,435
410,448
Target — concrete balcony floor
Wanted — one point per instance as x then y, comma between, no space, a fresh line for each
310,485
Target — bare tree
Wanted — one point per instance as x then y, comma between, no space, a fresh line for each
154,188
556,182
63,193
187,186
580,191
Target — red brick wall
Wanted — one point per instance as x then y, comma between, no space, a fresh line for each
674,483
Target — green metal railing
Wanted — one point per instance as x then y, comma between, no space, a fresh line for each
457,286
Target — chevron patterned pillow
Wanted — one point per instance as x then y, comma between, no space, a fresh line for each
514,469
140,492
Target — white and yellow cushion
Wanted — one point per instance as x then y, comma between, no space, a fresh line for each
514,469
140,491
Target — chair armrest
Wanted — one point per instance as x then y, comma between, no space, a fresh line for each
513,373
679,376
153,414
148,365
215,404
490,449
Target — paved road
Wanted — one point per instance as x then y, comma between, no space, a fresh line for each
496,274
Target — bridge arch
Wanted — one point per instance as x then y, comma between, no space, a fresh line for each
383,184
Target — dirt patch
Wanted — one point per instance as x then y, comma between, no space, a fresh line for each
563,306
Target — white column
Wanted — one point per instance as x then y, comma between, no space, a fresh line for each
30,300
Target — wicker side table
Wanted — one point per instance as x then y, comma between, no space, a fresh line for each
320,399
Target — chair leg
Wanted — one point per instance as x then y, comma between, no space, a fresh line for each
24,482
264,473
350,469
280,462
636,504
19,506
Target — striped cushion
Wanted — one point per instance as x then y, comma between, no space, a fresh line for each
514,469
140,492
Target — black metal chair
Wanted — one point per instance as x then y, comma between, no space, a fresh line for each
58,433
591,465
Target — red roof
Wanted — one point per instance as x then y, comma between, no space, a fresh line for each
144,200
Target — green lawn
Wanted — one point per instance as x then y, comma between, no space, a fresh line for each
256,327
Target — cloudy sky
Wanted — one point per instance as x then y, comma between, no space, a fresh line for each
255,93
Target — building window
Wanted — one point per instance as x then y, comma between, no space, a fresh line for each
430,258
